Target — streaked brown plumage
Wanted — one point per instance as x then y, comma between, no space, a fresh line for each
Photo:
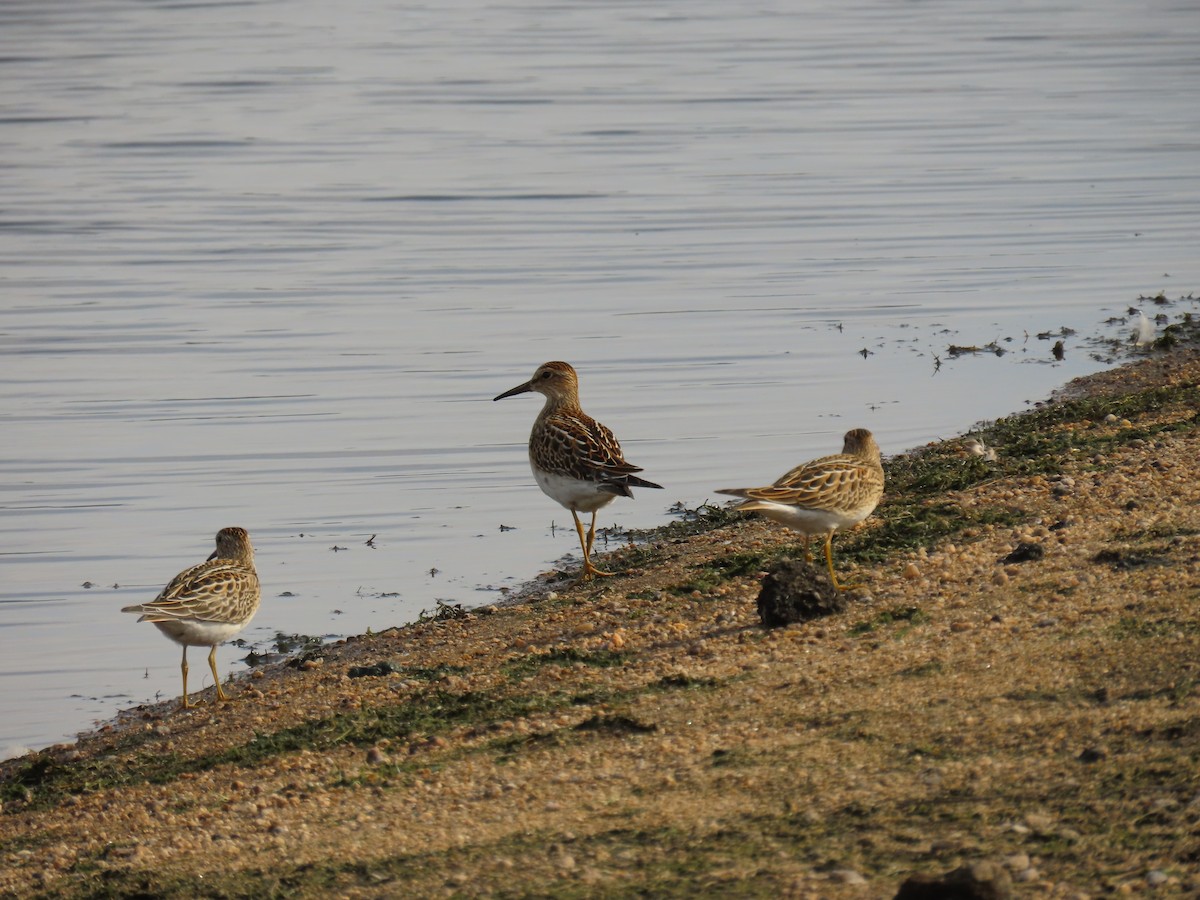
575,460
208,603
823,495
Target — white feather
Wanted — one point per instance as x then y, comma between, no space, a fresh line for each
1145,331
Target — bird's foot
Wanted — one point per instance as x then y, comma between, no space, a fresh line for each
590,571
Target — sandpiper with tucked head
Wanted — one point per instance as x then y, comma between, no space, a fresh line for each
823,495
575,460
208,603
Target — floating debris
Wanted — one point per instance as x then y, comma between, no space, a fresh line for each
443,611
1144,335
955,350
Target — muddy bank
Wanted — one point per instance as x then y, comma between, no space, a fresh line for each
1034,708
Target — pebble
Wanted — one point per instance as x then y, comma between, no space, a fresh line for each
911,572
1018,862
1040,822
846,876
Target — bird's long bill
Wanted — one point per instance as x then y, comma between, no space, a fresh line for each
519,389
214,555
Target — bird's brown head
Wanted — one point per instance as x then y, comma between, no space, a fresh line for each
860,442
557,380
233,543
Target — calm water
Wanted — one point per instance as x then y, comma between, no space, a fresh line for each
266,263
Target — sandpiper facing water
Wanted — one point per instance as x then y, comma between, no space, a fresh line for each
823,495
575,460
208,603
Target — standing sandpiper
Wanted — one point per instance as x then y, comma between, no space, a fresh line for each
823,495
208,603
575,460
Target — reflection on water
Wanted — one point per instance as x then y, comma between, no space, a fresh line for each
266,263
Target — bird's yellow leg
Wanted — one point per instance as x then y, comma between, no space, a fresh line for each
212,664
183,668
591,535
585,543
829,562
807,552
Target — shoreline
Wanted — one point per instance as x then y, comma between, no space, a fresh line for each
645,733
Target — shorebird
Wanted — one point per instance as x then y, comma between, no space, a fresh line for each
207,603
823,495
575,460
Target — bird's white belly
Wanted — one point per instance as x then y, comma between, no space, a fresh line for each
808,521
576,495
196,633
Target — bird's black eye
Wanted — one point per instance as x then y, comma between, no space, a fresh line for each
546,374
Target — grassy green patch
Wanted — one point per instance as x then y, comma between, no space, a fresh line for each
714,573
432,673
642,595
910,614
637,556
692,520
679,680
703,581
564,656
907,525
618,725
43,782
1141,628
923,670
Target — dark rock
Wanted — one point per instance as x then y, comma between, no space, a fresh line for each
1025,552
1125,559
982,880
372,671
797,591
616,725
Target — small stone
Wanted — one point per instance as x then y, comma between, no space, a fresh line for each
1157,877
959,627
911,572
1040,823
1000,578
846,876
1018,862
